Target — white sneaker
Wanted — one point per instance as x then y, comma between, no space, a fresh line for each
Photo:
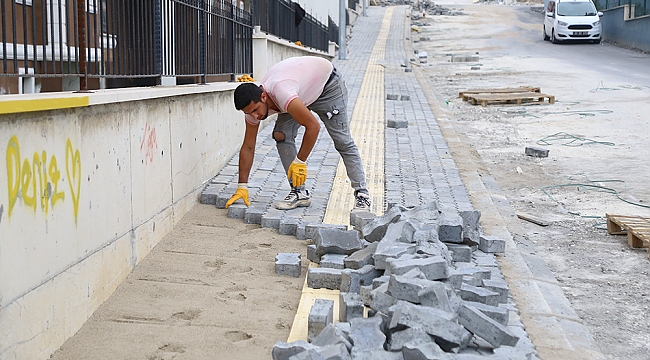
295,199
362,202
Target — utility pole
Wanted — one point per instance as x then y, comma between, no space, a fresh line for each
342,29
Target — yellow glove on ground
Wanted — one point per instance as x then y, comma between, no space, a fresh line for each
297,172
241,193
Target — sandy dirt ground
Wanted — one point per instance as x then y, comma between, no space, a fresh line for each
218,297
602,95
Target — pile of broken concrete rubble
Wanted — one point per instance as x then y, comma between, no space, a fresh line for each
426,280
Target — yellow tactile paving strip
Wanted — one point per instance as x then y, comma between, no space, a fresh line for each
367,128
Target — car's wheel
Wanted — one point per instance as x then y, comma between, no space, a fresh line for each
554,40
546,38
597,41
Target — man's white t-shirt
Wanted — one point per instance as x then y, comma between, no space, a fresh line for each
301,77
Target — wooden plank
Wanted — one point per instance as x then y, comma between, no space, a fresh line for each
485,99
532,218
636,227
463,94
614,229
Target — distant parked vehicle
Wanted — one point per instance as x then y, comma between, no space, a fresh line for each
572,20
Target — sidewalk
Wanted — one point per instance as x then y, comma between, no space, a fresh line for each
208,290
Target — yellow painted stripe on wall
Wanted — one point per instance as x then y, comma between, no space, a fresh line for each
27,105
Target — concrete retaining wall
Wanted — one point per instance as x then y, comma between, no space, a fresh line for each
620,28
90,184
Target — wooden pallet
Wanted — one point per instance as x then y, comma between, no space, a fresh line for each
521,89
510,98
637,229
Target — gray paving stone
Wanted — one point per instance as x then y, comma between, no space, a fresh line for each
318,278
320,315
498,286
288,264
362,257
253,214
288,226
311,229
282,350
451,228
376,229
336,241
333,335
491,244
335,352
496,313
482,325
366,334
333,261
479,294
424,351
412,336
237,211
352,280
460,252
311,254
434,267
350,306
407,288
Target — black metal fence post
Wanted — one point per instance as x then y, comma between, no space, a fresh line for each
81,32
157,30
202,41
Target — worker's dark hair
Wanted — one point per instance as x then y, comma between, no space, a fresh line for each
245,93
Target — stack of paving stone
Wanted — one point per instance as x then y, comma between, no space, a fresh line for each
429,280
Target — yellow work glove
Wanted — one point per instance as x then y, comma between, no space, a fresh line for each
241,193
297,172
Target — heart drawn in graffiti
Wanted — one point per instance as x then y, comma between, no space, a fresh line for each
73,169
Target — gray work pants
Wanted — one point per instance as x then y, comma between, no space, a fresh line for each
331,107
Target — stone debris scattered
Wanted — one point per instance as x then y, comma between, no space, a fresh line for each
429,282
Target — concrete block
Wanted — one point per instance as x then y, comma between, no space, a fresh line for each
491,244
312,354
222,199
406,288
324,278
397,123
288,264
434,268
376,229
482,259
377,282
366,334
390,250
451,228
460,252
478,273
469,280
337,241
433,248
358,219
283,350
426,214
496,313
311,254
425,351
471,225
412,336
478,294
381,300
301,233
436,295
320,315
536,152
335,352
271,220
350,306
352,280
455,279
470,58
237,211
311,229
253,214
391,96
361,258
365,295
481,325
333,261
440,324
375,355
288,226
498,286
332,335
405,98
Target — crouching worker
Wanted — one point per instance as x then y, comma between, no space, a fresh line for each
292,88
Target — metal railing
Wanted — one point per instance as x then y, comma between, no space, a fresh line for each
333,30
123,39
640,7
287,20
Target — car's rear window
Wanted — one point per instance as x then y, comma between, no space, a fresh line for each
576,8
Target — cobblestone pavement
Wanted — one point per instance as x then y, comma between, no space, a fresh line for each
418,166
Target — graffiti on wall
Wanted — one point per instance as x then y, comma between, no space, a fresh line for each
36,181
148,144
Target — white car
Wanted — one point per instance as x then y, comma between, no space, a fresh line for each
572,20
